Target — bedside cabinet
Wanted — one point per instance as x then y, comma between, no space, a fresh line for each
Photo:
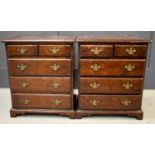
41,74
111,75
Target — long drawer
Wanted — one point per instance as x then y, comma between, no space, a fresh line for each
41,84
42,101
112,67
111,85
39,66
110,102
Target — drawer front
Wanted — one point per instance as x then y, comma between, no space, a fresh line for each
41,101
55,50
112,67
22,50
110,102
57,67
111,85
131,51
96,50
49,85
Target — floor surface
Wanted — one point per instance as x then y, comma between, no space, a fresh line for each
148,107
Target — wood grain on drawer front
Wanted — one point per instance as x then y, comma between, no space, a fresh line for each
96,50
131,51
57,67
41,85
111,85
110,102
22,50
112,67
42,101
55,50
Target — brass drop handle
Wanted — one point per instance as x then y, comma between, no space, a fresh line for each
129,67
24,84
56,102
95,67
25,101
96,50
22,50
22,67
55,85
94,85
54,50
130,50
126,102
55,67
94,102
127,85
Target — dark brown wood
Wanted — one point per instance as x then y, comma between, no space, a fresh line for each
110,102
112,67
69,113
42,101
54,85
22,50
108,85
55,50
40,66
96,50
132,113
124,51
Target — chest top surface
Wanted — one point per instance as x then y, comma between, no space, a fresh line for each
112,39
25,39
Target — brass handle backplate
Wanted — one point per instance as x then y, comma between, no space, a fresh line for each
96,50
95,67
130,50
54,50
94,85
129,67
25,101
127,85
24,84
126,102
94,102
55,67
56,102
55,85
22,67
22,50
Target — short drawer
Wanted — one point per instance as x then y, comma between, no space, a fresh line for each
56,67
55,50
43,85
130,51
112,67
96,50
111,85
42,101
22,50
110,102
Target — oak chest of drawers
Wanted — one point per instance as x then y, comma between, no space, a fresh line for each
111,75
41,74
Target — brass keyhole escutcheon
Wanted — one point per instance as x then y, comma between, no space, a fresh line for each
130,51
56,85
22,67
126,102
96,50
94,85
129,67
56,102
94,102
54,50
127,85
95,67
55,67
24,84
22,50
